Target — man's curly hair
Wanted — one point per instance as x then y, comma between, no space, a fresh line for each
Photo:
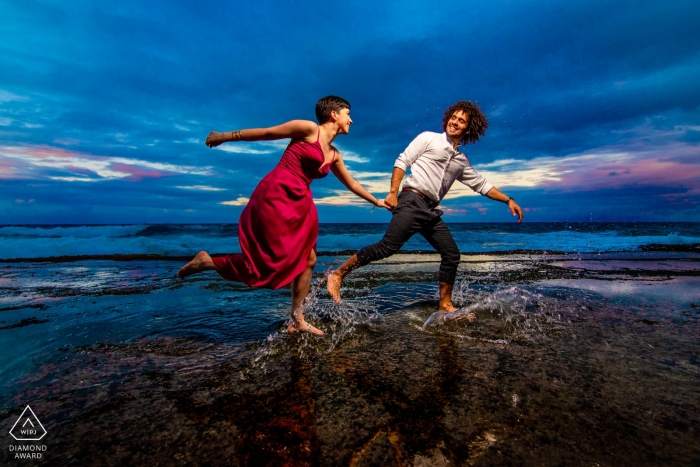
477,124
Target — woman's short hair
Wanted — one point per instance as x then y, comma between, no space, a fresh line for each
477,124
328,104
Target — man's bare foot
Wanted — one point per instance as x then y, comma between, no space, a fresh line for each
450,309
303,326
471,317
201,262
333,286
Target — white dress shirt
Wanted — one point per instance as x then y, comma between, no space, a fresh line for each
435,165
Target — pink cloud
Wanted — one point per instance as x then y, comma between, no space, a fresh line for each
136,174
41,152
616,170
454,211
465,208
43,162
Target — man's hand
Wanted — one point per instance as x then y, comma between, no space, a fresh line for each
515,210
391,201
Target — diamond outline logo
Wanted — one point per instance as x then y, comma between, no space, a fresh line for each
29,419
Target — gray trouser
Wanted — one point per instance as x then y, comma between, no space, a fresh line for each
414,215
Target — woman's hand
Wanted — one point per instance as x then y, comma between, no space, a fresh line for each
382,204
214,139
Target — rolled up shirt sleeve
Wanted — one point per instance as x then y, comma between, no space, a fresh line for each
475,181
413,151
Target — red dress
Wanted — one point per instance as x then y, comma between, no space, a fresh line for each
279,226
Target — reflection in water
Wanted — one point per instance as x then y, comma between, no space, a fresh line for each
278,426
414,424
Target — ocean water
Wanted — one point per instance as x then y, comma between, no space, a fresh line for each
184,240
583,350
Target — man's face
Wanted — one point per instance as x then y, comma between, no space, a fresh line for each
457,124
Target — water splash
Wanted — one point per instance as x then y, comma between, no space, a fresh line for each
340,323
501,316
504,303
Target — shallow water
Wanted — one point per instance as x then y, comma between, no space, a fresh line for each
572,360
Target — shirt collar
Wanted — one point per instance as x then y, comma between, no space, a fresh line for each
450,143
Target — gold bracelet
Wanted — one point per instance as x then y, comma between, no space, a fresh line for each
236,135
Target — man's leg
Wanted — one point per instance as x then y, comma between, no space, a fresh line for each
439,236
405,221
335,278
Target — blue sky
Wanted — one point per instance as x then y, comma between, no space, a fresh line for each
594,106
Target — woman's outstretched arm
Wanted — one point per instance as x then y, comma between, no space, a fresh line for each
341,172
295,129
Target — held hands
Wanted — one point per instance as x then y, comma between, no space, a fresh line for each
214,139
382,204
515,210
390,201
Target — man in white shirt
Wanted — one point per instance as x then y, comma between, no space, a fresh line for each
435,163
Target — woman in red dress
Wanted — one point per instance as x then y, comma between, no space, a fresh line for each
278,228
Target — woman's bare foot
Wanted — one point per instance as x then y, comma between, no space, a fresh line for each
303,326
201,262
333,286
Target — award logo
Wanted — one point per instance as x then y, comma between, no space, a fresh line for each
28,428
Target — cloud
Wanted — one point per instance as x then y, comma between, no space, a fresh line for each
606,168
6,96
74,179
453,211
374,182
266,147
340,198
201,188
593,171
351,156
241,201
464,209
43,162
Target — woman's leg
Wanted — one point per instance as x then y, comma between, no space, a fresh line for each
300,289
201,262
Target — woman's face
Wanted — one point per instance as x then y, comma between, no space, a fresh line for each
343,120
